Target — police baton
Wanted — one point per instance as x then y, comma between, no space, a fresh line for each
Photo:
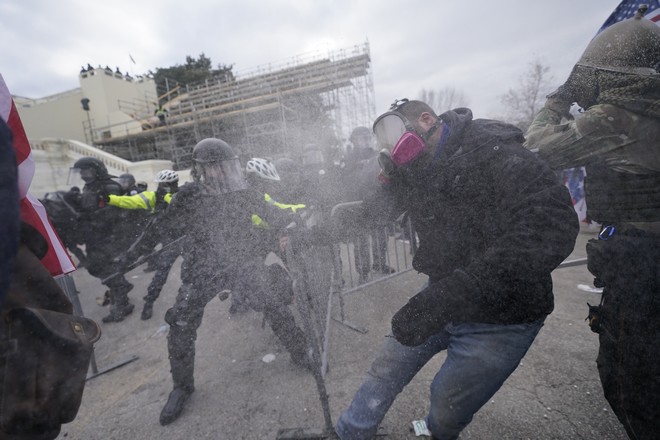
140,261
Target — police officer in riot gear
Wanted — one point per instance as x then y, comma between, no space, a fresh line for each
128,184
617,139
103,233
155,203
222,251
292,187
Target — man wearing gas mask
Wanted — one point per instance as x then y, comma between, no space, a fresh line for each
617,138
493,222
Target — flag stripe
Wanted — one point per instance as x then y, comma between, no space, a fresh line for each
56,260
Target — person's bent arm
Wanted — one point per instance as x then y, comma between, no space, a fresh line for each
144,200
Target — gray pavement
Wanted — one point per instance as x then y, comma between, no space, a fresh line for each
554,394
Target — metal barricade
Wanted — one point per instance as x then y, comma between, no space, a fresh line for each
368,256
321,272
311,268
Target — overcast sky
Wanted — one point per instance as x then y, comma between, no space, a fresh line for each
480,48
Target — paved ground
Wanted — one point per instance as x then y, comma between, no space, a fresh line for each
554,394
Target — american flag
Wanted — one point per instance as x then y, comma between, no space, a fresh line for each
56,260
627,9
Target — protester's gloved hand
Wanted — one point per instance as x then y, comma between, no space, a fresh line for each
387,167
452,299
422,317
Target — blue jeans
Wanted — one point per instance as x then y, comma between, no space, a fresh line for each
480,357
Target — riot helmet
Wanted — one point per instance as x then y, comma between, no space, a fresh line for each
127,181
362,137
87,170
141,186
629,46
216,167
291,178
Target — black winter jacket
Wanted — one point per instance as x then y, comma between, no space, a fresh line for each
493,222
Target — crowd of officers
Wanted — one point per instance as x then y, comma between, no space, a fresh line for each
223,224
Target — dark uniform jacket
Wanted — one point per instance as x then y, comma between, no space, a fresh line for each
102,228
493,222
219,235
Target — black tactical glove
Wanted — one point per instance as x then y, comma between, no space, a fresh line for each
451,299
388,169
421,318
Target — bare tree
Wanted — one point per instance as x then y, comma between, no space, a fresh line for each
443,99
523,103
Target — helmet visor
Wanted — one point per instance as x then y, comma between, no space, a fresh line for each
223,177
125,182
80,176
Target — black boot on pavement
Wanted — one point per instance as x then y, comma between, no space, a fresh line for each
147,310
174,406
118,313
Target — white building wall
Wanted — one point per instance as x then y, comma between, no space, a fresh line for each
117,107
61,116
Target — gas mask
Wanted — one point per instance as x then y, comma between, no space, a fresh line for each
396,134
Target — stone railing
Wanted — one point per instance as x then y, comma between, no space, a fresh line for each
54,157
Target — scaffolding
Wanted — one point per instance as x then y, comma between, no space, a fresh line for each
272,111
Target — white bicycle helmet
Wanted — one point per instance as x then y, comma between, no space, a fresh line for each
263,168
166,176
